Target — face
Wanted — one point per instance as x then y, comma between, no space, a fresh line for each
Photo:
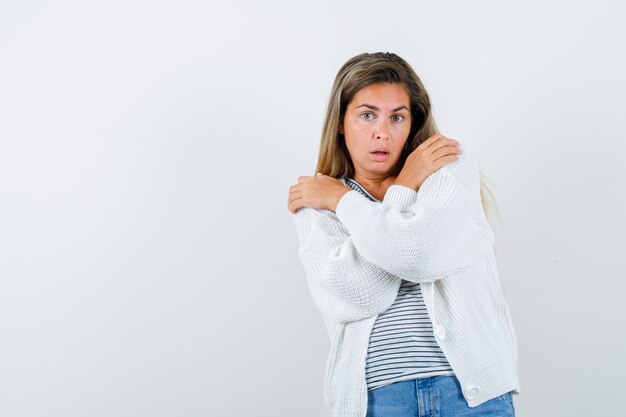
376,126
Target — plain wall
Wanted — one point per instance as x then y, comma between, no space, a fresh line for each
148,263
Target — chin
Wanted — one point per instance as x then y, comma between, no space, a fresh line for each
382,171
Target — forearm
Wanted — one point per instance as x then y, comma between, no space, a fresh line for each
421,236
342,282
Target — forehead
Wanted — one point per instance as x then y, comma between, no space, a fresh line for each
382,95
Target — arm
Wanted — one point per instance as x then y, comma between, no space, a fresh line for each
425,235
343,284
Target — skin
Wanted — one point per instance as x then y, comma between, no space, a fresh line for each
377,117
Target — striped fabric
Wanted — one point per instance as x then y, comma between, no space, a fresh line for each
402,345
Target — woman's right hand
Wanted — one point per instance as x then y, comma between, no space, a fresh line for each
428,157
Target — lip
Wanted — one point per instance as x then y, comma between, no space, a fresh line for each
381,149
379,157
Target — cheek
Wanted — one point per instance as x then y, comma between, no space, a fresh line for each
401,136
354,149
403,129
356,138
357,130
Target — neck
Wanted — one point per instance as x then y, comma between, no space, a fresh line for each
376,186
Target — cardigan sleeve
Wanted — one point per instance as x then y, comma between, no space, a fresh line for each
423,235
342,283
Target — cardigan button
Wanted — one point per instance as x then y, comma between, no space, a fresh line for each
440,332
471,392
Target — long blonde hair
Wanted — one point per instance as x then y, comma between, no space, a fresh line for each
358,72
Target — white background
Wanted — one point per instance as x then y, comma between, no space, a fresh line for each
148,263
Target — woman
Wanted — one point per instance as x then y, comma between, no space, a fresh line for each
399,256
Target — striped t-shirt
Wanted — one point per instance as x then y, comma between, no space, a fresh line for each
402,345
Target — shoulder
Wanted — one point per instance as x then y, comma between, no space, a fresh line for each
465,170
466,165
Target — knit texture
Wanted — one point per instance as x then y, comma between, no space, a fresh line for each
402,342
355,258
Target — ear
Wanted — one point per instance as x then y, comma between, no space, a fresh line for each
340,128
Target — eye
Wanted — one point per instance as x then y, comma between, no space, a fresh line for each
397,117
367,116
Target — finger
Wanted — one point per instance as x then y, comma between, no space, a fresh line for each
319,175
439,140
452,142
433,139
445,160
446,150
428,143
295,204
296,187
304,179
295,195
447,144
290,205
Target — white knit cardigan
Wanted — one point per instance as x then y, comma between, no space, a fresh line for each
355,258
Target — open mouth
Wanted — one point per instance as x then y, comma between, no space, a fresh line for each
379,156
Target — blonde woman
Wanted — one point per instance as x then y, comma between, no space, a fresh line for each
398,255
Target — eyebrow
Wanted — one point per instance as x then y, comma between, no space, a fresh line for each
369,106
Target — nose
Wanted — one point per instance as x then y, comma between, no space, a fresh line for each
381,130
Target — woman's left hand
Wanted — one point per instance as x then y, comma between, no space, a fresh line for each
320,191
